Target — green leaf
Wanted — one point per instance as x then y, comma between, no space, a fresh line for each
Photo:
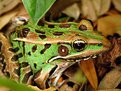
37,8
13,85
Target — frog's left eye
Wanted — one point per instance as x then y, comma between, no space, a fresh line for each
63,50
79,45
85,25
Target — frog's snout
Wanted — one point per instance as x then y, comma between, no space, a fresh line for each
106,44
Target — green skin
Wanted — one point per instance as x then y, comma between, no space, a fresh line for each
47,60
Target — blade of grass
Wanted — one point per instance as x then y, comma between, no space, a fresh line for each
13,85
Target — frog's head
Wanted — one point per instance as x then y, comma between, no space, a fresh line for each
82,44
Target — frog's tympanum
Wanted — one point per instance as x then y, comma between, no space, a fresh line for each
35,54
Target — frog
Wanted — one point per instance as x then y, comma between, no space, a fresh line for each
30,53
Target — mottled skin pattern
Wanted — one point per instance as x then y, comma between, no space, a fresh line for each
35,51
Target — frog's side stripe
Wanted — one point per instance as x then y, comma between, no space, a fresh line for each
9,68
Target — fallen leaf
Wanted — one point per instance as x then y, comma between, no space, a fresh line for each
101,6
110,90
88,9
6,18
88,68
38,89
112,79
7,5
117,4
73,11
109,25
56,10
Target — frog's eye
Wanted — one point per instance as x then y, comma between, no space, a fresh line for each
85,25
63,50
79,45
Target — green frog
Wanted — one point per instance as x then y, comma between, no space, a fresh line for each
39,53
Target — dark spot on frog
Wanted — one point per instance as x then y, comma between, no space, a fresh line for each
34,48
14,58
20,55
26,77
51,26
42,36
14,49
17,71
58,33
35,65
39,31
65,26
3,68
29,53
25,31
24,64
1,58
46,46
82,27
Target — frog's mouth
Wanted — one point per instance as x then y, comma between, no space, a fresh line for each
78,57
71,59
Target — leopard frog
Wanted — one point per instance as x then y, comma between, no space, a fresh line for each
30,52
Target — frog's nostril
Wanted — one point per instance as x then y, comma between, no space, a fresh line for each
100,44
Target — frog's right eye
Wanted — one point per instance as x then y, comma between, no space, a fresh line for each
85,25
79,45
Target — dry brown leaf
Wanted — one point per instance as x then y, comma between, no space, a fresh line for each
88,9
7,5
6,18
92,9
101,6
37,89
117,4
109,25
110,90
88,68
73,11
19,11
22,11
111,80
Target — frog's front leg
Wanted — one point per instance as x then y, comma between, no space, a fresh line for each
61,67
9,67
